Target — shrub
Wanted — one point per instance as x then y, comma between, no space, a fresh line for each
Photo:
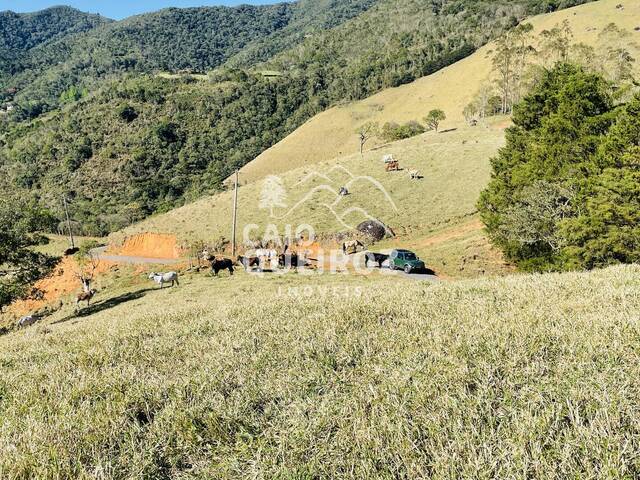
392,131
127,113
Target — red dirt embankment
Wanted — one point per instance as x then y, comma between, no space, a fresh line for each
62,282
149,245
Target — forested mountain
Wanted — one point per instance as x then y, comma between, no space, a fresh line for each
127,137
194,39
19,33
23,31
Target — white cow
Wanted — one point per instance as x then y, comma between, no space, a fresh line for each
162,278
26,321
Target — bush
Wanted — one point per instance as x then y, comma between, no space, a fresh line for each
392,131
127,113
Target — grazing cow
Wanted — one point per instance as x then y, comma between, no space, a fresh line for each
221,264
414,175
351,246
162,278
28,320
378,258
85,297
289,260
392,166
248,262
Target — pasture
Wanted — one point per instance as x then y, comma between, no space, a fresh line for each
330,134
516,377
454,165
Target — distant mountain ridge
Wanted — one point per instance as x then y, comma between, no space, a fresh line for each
23,31
172,39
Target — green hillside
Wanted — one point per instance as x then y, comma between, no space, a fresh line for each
107,166
20,33
147,144
525,376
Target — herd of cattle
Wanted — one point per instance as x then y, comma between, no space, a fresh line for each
266,259
260,259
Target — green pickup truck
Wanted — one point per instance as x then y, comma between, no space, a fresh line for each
405,260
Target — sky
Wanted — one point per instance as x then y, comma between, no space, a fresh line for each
118,9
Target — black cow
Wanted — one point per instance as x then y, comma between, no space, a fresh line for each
248,262
378,258
221,264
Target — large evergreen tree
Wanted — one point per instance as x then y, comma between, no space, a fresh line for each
564,191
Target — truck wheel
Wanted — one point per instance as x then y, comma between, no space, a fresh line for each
407,269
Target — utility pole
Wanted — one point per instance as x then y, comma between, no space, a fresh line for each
66,212
235,218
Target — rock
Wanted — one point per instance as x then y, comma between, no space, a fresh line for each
374,229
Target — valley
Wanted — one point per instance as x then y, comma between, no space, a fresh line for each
516,359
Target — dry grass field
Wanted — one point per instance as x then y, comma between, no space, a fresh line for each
309,376
517,377
331,135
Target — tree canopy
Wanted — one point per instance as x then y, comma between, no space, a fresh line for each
565,188
20,265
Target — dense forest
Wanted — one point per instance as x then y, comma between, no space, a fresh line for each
170,40
22,32
147,144
94,116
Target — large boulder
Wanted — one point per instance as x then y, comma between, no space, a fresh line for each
374,229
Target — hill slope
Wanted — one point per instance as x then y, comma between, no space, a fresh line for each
331,133
455,167
136,146
435,216
497,378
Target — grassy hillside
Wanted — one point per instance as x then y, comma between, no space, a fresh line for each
455,167
526,376
331,133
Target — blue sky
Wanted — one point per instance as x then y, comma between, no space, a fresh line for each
118,8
